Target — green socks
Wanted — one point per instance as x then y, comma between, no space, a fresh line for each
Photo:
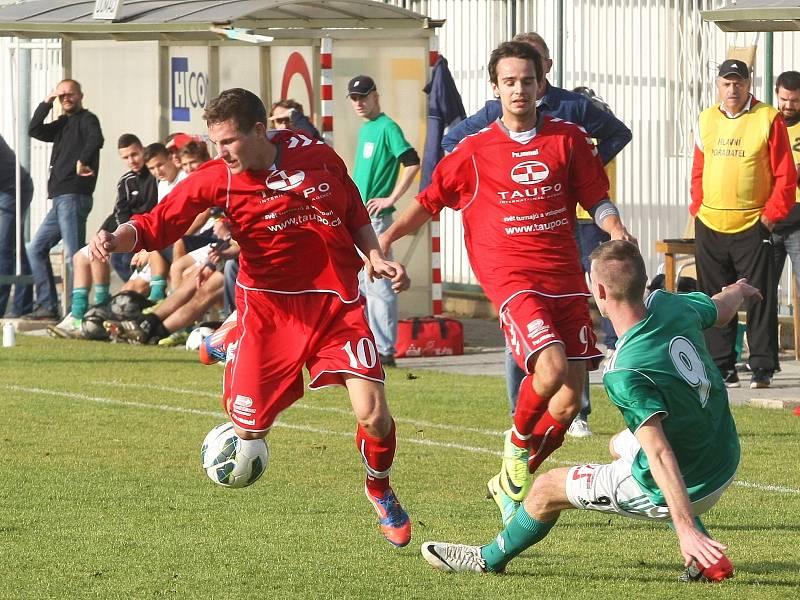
80,302
158,288
101,294
522,532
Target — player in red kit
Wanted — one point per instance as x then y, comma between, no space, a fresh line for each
298,219
516,184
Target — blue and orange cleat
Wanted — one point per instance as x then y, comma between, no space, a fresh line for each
214,348
393,520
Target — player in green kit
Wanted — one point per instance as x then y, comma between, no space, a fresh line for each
680,450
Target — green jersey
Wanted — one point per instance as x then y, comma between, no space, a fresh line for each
380,145
662,366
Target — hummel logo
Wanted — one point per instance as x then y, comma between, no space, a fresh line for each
301,140
526,153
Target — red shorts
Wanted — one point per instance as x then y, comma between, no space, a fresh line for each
277,335
532,322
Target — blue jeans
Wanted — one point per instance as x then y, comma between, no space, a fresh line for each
65,221
787,244
515,375
381,301
231,272
590,236
23,294
121,262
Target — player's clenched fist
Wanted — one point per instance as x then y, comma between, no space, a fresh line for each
103,244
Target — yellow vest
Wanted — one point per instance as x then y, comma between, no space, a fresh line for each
737,174
794,140
611,173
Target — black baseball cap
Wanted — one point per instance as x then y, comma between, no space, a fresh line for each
360,85
734,67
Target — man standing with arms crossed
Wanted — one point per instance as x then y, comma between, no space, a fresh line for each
517,184
298,220
74,163
680,450
382,149
743,182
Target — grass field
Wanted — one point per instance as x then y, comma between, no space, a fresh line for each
102,495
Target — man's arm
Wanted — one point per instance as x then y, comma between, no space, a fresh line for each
730,298
606,216
612,135
694,544
411,219
37,127
784,172
696,188
104,243
407,174
473,124
92,138
376,264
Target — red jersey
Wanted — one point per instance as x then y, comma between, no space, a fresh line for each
294,223
517,203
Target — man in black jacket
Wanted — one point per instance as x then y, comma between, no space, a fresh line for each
74,163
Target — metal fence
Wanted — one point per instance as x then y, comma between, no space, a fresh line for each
39,62
653,61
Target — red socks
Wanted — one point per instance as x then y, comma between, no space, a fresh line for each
530,408
547,437
378,455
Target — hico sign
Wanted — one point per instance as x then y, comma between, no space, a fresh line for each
189,89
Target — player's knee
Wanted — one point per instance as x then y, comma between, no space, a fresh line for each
539,503
547,381
249,435
611,447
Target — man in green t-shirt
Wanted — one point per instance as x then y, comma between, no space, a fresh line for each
382,150
680,450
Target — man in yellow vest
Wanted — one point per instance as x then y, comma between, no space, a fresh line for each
743,182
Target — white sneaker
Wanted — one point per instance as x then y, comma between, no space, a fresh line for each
453,558
579,428
68,328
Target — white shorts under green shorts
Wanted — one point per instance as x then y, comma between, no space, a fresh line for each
612,488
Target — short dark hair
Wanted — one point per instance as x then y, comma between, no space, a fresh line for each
239,105
196,149
287,103
788,80
128,139
515,50
621,266
153,150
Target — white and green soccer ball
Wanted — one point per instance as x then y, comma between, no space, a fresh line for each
231,461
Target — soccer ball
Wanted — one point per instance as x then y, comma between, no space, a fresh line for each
231,461
197,337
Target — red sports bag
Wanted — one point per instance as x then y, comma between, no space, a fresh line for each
429,336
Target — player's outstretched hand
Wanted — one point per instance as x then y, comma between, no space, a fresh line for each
748,291
623,234
102,245
391,270
698,546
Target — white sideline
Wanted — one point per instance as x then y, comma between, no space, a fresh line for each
329,409
213,413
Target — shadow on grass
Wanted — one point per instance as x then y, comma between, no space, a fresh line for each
105,359
746,574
